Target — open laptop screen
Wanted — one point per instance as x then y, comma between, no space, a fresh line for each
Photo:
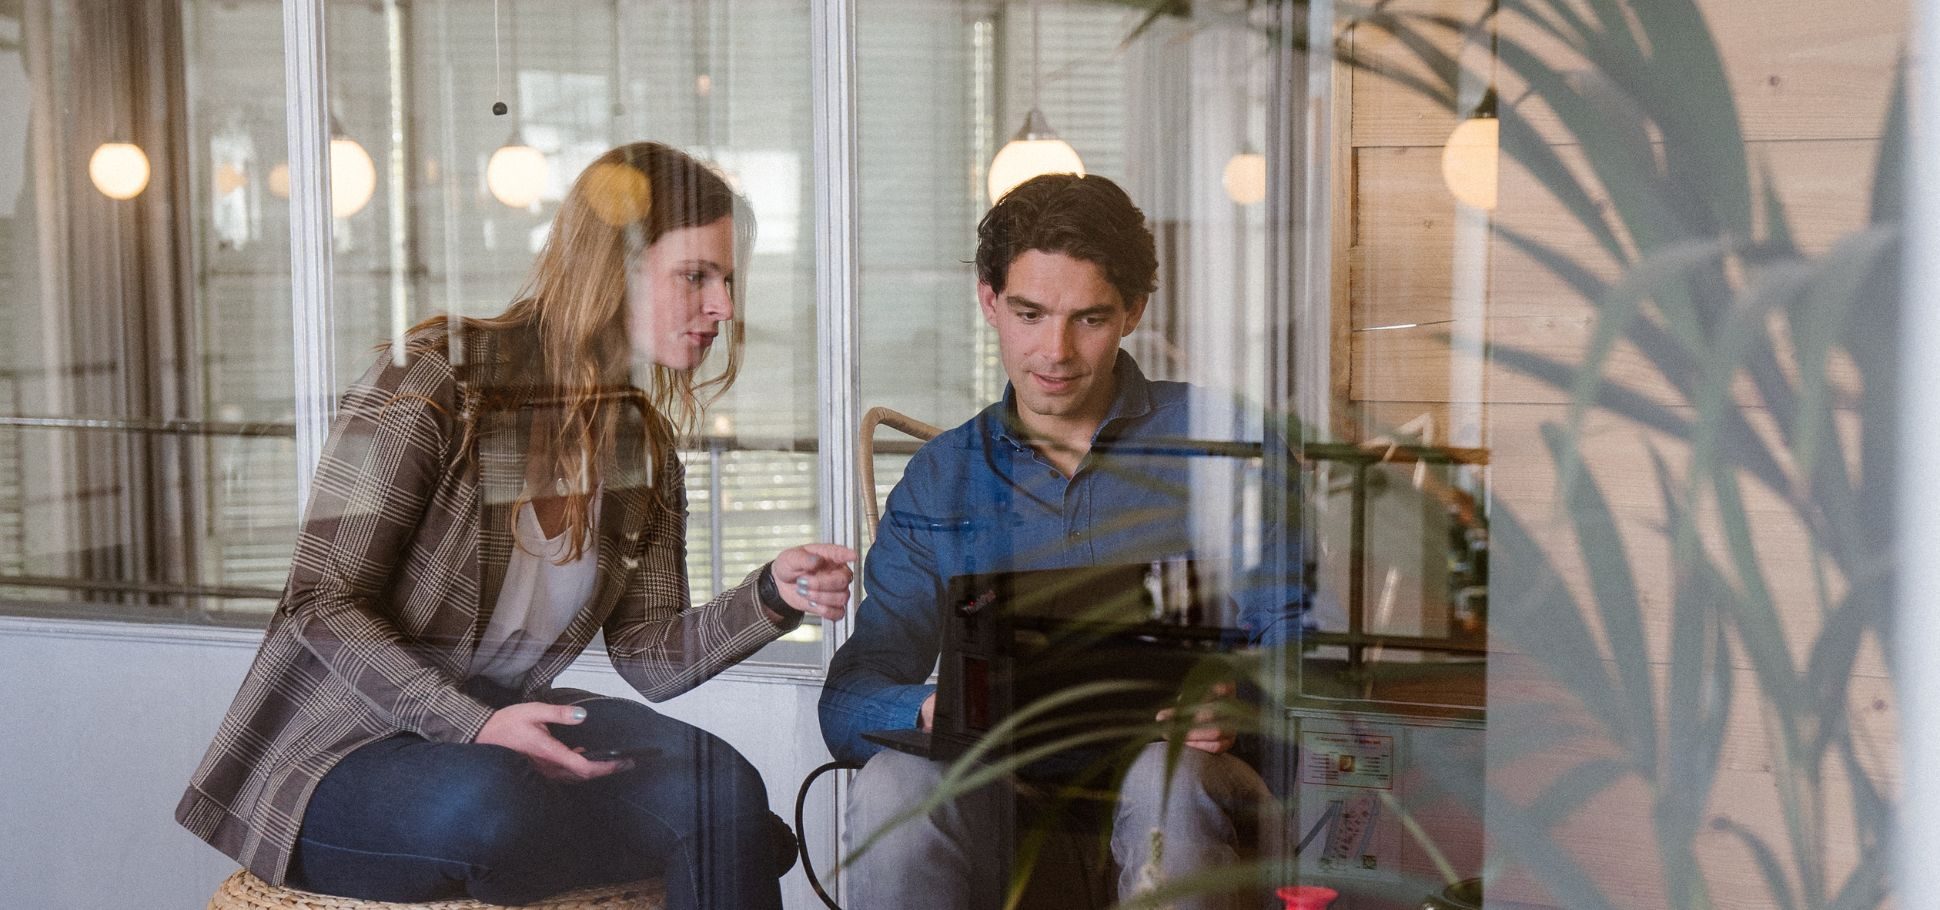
1015,638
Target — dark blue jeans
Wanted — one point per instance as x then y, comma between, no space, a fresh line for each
406,819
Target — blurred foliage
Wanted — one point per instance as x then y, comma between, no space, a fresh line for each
1757,351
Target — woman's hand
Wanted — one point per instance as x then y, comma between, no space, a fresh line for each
1210,733
522,728
815,578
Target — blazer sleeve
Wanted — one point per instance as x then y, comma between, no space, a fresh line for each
657,638
384,459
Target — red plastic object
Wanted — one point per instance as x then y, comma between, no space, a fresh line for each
1307,897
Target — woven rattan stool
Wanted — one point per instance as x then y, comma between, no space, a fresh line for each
244,891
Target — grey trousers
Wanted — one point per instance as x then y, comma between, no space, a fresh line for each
949,859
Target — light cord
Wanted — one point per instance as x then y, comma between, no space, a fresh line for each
1036,65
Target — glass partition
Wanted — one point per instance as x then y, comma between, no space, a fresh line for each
147,447
1629,269
146,456
1578,317
415,86
1564,333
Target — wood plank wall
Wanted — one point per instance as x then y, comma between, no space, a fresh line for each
1811,81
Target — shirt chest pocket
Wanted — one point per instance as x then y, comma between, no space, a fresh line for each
995,539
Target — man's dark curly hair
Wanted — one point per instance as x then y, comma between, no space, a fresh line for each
1088,218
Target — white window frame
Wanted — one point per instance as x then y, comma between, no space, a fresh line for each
837,241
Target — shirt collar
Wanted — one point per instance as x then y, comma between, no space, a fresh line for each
1131,398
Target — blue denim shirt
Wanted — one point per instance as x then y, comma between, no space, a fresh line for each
979,499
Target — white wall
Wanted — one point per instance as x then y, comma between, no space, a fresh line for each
104,722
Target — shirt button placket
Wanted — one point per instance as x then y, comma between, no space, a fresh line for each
1074,499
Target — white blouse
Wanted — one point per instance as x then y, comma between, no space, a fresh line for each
538,601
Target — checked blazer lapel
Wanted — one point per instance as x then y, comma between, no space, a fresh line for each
501,477
626,496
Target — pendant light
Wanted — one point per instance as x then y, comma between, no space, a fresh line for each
1245,177
516,172
119,169
353,176
1472,157
1035,150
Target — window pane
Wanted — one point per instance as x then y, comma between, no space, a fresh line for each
1161,105
414,87
146,461
1602,253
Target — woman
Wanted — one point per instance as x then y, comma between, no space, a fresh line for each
487,500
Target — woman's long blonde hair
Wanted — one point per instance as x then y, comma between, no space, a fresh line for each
565,338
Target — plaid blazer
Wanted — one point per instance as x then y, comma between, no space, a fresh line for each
397,567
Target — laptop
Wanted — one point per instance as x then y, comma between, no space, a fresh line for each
1135,634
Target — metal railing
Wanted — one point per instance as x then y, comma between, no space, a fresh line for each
1361,459
713,448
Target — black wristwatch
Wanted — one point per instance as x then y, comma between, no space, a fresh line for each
770,597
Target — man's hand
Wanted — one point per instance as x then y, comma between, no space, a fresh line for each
522,728
1209,735
926,716
815,578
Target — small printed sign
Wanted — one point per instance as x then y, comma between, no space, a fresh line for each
1351,834
1347,760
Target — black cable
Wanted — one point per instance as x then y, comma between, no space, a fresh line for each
808,864
801,831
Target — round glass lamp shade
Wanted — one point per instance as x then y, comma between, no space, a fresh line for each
1245,178
119,170
353,177
516,174
1023,158
1470,162
229,178
279,180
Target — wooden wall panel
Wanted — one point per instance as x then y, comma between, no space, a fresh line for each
1404,253
1612,835
1811,83
1388,112
1523,481
1798,70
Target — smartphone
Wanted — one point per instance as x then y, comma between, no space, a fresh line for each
601,735
618,753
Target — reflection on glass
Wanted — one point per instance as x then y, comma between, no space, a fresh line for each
353,176
145,373
1159,103
464,196
1611,282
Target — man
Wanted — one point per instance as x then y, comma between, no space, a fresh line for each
1052,476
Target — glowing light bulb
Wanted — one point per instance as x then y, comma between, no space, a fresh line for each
353,177
1245,178
229,178
119,170
1034,151
516,173
1471,161
617,193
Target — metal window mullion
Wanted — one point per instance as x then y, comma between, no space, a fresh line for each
837,278
1916,633
1295,128
306,80
832,60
